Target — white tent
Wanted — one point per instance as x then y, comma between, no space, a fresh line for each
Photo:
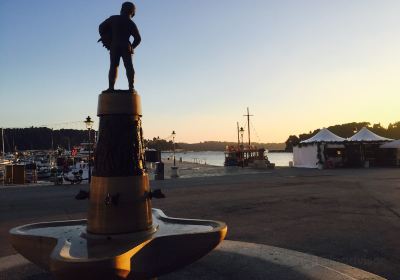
324,135
367,143
395,145
306,154
391,145
365,135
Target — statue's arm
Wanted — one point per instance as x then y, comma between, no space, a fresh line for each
136,36
103,26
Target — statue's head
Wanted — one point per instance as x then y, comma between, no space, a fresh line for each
128,9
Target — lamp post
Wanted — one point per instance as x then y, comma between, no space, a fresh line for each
241,134
241,152
89,123
173,142
174,168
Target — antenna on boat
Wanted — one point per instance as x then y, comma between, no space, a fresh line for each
248,123
238,134
2,141
4,157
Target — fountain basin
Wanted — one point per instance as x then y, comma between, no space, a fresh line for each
67,250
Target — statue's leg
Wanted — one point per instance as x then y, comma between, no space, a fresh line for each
130,72
114,63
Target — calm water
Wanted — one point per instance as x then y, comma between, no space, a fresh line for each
217,158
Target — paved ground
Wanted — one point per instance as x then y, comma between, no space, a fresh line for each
351,216
230,260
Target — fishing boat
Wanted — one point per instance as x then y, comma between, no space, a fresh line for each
246,154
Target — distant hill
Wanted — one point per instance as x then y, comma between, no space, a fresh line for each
43,138
220,146
161,144
347,130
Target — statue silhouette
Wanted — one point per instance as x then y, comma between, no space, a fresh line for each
115,33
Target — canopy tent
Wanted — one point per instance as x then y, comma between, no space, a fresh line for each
391,151
391,145
365,135
310,152
324,135
363,149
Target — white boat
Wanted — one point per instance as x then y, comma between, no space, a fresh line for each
79,173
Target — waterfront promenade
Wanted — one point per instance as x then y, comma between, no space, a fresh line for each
349,215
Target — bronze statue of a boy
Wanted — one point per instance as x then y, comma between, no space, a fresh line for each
115,33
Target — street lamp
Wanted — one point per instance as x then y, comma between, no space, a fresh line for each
241,148
174,168
89,123
173,141
241,133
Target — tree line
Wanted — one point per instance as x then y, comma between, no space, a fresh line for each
347,130
42,138
164,145
220,146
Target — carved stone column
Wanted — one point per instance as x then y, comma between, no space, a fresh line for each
119,201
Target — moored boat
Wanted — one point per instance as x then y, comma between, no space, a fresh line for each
246,155
243,156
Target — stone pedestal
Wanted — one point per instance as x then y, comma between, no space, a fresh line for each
119,200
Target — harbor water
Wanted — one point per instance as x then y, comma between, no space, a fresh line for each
217,158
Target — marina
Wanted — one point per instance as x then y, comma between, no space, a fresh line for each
191,164
47,166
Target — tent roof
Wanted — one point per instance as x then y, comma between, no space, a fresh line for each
365,135
391,145
324,135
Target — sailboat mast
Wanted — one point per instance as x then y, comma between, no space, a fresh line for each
2,141
238,133
248,124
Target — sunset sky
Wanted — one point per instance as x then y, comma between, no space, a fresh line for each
298,65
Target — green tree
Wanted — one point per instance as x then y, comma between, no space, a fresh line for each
293,140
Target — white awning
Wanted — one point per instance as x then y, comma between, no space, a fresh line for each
324,135
391,145
365,135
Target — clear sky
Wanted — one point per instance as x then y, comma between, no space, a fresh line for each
298,64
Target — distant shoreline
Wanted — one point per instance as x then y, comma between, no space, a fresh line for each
187,151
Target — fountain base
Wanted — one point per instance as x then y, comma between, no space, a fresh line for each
68,251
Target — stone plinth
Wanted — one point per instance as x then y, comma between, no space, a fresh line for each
119,200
